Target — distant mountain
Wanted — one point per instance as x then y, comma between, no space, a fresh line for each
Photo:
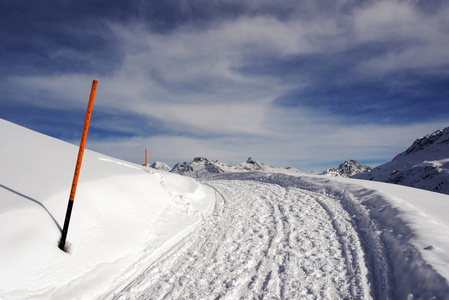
202,168
347,169
424,165
159,165
254,165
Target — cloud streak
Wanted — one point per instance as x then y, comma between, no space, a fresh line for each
305,85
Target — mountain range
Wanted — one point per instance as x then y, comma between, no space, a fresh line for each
202,168
424,165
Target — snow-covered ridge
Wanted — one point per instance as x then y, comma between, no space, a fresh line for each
347,169
424,165
430,142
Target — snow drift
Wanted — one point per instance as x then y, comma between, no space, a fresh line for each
123,215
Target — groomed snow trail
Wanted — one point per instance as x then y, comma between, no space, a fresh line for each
263,241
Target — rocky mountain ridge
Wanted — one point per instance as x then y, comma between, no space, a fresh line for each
159,165
347,169
424,165
202,168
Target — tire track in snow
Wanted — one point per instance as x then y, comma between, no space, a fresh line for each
263,241
351,247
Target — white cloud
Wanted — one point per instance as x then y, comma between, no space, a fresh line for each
232,118
422,39
55,92
191,80
385,19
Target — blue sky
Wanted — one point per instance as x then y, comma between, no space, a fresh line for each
306,84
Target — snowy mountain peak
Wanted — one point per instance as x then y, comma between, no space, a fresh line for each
200,167
429,143
200,159
424,165
250,160
159,165
347,169
182,168
252,165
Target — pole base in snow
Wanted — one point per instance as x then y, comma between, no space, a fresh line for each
61,244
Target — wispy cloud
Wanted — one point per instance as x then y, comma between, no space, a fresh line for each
421,38
299,84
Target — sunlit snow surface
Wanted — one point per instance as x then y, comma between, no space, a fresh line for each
122,213
140,233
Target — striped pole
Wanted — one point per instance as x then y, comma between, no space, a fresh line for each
78,165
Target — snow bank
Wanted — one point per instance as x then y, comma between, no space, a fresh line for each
124,215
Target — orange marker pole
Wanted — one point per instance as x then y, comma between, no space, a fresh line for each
78,165
146,161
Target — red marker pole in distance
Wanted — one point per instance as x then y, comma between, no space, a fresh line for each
146,161
78,165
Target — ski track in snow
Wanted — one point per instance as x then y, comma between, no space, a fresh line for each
265,241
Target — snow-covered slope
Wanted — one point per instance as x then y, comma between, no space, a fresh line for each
123,216
202,168
424,165
347,169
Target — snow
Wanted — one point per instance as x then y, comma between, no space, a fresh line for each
119,212
140,233
425,213
405,239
